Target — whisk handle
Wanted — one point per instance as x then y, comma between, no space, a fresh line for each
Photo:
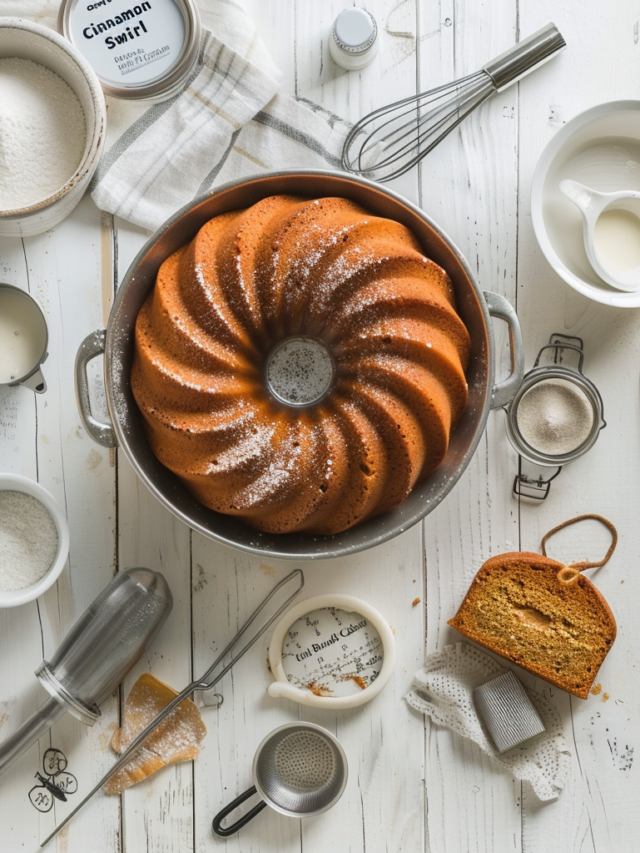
525,56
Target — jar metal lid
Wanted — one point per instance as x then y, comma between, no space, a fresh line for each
355,31
139,49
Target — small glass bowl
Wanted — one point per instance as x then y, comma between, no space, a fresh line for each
16,483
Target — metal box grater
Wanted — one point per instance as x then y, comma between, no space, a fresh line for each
507,712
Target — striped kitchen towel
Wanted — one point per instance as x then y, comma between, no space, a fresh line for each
229,122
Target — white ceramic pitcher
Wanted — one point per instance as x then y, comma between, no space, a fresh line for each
606,250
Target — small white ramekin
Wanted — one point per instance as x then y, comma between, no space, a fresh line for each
26,40
16,483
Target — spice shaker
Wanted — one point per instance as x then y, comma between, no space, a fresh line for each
354,39
140,51
555,416
97,653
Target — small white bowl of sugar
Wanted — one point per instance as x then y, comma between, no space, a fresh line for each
52,127
34,540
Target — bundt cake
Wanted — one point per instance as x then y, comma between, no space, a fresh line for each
300,364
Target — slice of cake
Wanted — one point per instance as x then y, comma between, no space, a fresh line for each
177,738
540,614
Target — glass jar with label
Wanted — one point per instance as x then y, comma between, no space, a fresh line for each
144,50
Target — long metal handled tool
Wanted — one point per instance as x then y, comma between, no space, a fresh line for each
102,647
389,141
203,683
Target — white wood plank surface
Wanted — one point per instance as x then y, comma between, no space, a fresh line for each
413,786
469,185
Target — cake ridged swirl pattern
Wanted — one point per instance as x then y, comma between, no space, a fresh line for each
327,270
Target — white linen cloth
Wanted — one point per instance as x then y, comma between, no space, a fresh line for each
228,123
443,691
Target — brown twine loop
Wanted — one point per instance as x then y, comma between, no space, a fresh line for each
569,574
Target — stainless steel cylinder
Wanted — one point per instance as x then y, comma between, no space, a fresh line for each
96,655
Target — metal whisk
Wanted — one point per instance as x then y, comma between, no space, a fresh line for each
389,141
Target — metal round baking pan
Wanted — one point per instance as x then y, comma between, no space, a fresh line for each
474,306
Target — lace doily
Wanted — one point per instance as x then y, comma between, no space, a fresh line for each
443,691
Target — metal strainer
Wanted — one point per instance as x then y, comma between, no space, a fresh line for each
299,770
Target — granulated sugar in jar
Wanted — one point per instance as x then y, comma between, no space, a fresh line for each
555,417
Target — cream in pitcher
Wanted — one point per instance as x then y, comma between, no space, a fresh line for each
23,339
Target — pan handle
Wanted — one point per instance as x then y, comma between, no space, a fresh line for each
92,346
224,832
504,391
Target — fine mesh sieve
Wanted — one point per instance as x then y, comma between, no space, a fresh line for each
299,770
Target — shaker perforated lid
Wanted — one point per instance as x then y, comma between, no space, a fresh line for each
142,50
354,39
355,30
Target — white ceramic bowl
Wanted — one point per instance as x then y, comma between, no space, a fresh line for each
15,483
26,40
600,148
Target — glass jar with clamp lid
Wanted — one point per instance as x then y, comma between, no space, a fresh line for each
555,416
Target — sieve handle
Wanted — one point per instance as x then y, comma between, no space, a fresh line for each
224,832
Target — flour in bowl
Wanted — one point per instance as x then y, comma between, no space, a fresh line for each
42,133
28,540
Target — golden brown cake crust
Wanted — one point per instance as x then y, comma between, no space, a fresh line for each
517,607
328,270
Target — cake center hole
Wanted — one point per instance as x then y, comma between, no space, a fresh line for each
300,371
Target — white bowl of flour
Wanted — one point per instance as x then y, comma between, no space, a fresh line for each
52,127
34,540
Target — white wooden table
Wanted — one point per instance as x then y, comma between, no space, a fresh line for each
412,786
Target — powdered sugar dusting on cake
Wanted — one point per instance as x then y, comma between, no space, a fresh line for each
252,445
300,302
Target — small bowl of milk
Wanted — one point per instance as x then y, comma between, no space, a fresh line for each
599,150
52,127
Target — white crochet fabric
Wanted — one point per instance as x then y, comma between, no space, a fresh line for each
443,691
